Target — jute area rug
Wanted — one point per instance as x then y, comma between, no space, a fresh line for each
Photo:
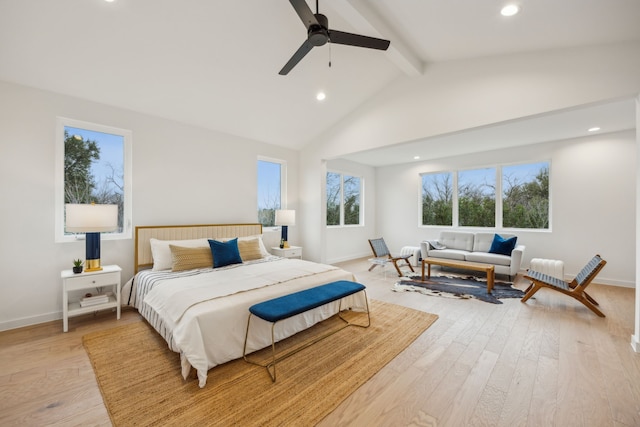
140,380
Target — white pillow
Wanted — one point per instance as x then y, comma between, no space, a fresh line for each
162,253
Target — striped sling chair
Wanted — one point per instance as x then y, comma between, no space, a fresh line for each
575,288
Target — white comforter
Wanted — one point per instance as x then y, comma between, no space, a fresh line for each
203,314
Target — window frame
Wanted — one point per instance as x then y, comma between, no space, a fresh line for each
497,172
498,197
283,185
454,199
61,123
501,189
361,199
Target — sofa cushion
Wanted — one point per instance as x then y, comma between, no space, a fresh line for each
448,254
489,258
483,241
502,245
457,240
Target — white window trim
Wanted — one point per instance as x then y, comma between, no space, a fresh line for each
283,182
361,213
61,123
499,205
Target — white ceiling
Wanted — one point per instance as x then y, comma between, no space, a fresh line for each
215,63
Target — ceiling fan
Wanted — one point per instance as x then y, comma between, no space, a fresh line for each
318,34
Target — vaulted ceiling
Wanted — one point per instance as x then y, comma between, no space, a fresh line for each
215,63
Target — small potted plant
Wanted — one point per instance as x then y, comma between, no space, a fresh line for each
77,266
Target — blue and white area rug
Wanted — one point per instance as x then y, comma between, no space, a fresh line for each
461,287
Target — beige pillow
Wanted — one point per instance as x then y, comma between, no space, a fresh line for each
162,254
250,249
265,253
183,258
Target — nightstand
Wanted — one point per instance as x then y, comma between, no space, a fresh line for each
108,276
290,252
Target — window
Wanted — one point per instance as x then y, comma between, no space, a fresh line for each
437,199
344,193
93,164
351,200
525,195
334,198
477,198
513,196
271,188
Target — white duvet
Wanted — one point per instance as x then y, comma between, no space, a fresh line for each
203,314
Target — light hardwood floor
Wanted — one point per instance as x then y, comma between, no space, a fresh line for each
549,362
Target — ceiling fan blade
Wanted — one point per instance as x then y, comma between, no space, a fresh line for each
340,37
304,12
300,53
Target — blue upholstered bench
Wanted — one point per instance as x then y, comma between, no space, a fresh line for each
284,307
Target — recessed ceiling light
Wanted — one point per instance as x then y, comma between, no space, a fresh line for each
416,157
109,1
593,129
510,10
321,96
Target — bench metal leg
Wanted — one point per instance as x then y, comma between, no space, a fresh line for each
271,366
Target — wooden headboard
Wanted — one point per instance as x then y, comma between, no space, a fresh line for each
143,257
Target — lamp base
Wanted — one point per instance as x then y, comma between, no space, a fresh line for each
283,238
92,265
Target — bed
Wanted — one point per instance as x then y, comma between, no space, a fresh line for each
201,311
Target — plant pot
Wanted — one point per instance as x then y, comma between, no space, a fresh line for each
77,270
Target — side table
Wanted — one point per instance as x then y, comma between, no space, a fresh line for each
290,252
108,276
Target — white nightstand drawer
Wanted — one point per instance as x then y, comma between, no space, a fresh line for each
290,252
92,280
293,252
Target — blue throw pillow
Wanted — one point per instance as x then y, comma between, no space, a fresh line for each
225,253
503,246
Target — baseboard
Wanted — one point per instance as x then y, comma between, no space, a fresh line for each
29,321
605,281
635,343
349,258
612,282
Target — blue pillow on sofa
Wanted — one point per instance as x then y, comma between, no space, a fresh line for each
503,246
225,253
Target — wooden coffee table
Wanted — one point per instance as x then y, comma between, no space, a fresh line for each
467,265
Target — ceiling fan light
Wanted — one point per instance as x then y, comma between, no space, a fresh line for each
510,10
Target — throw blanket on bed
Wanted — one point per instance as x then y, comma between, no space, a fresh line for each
172,298
212,331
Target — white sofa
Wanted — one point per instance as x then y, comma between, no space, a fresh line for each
467,246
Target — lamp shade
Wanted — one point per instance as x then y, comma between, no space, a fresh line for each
285,217
91,218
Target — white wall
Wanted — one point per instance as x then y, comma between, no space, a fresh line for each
459,95
344,243
220,169
635,338
181,175
592,202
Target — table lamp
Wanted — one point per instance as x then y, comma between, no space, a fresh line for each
92,220
285,218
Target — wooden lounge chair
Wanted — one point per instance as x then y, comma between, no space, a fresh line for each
575,288
381,253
